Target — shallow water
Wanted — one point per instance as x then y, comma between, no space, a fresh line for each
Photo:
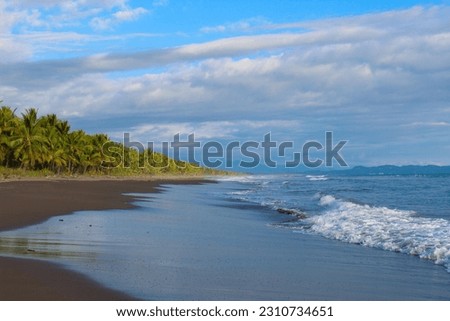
195,243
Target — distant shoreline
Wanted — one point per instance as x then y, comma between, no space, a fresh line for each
29,201
84,178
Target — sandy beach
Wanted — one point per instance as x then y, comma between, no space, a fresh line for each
28,202
192,242
189,242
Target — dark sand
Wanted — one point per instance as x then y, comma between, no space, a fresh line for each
31,280
24,203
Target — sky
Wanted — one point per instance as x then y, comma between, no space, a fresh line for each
374,73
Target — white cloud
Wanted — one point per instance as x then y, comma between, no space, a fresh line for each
129,14
126,14
166,131
246,25
30,15
342,63
203,131
65,5
27,28
13,51
363,76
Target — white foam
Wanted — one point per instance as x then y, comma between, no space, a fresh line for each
327,200
317,177
241,179
262,179
384,228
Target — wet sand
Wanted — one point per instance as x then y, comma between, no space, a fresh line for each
25,203
32,280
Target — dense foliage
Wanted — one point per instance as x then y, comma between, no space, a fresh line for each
47,144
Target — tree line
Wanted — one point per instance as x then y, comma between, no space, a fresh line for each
47,143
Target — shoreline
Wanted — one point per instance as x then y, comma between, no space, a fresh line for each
28,202
188,244
32,201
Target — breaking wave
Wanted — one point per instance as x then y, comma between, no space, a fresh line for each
380,227
317,177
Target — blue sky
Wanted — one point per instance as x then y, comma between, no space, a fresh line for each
376,73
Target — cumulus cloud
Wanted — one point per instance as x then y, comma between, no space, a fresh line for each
397,41
363,76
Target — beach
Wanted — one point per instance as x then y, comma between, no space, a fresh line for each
28,202
223,241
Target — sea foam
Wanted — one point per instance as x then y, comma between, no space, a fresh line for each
381,227
317,177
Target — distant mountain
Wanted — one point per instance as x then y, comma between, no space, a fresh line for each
396,170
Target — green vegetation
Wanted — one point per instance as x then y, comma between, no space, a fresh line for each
40,146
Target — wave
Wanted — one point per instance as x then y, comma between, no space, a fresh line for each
317,177
246,195
241,179
380,227
314,210
245,178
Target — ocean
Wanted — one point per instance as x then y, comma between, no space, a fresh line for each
407,214
261,237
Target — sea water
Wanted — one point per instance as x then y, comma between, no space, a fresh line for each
408,214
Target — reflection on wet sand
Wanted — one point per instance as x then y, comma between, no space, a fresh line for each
43,248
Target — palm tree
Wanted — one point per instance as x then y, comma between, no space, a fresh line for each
47,142
56,132
76,148
8,121
92,152
29,141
